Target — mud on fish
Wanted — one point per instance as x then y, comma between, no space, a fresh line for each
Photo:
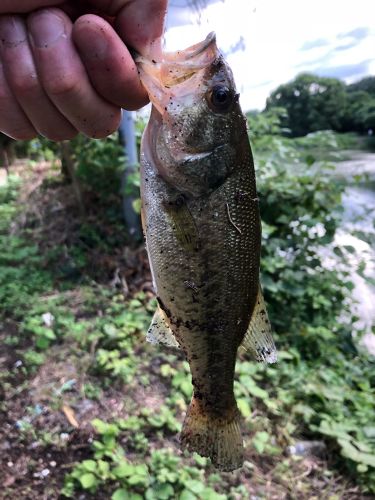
200,214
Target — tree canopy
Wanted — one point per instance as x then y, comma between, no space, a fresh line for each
315,103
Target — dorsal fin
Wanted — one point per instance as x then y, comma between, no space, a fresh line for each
159,331
258,337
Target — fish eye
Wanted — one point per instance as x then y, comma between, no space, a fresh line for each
220,98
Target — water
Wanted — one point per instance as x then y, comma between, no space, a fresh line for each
359,163
358,231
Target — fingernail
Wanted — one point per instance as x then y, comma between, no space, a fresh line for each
12,31
46,28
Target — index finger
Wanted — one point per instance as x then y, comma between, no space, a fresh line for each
141,26
140,23
22,6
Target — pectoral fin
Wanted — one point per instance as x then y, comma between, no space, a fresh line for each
184,225
258,338
159,332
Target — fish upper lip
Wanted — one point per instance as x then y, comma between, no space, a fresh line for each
195,50
178,56
210,38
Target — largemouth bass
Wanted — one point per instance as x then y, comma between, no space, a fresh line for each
200,214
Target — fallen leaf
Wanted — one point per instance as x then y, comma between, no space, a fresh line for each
69,413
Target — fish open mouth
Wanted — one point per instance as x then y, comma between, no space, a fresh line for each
175,68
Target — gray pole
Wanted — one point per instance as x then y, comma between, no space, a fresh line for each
132,219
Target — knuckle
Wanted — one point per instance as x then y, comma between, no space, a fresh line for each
24,84
62,87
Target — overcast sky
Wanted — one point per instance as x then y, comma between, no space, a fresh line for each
277,39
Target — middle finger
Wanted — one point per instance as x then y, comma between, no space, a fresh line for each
64,76
22,78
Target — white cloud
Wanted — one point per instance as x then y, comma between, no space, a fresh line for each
274,33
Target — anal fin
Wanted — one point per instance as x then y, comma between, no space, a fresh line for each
258,337
159,332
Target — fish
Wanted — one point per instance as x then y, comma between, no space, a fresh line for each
201,221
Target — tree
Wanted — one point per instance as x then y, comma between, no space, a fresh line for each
360,112
312,103
367,84
268,122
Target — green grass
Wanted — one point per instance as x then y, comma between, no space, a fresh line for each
322,387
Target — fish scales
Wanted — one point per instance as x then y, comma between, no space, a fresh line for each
201,220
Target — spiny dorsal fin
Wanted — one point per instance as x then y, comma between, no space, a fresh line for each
258,337
159,331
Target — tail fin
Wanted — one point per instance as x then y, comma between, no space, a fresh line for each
212,436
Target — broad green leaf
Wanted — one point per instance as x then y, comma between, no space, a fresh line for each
124,470
349,451
258,392
187,495
244,407
120,494
194,486
160,492
88,480
210,494
137,479
369,432
89,465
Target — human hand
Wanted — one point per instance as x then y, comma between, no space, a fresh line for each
62,72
